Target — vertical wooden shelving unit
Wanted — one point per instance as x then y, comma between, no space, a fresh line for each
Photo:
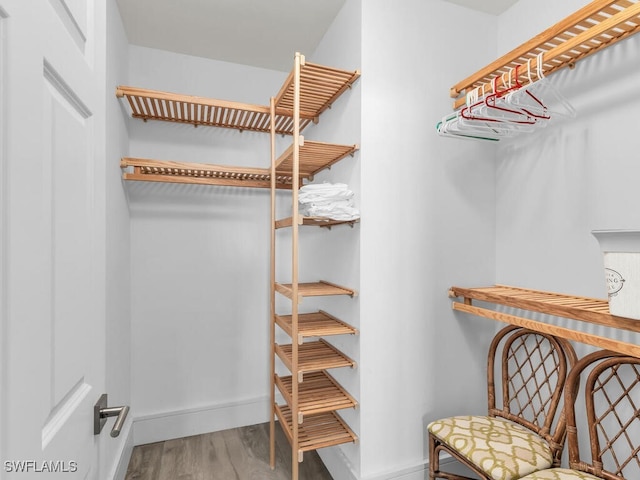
311,396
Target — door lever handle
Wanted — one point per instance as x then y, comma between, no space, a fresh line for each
101,412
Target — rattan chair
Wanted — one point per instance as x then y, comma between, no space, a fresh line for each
610,415
524,432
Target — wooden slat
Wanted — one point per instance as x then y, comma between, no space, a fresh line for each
313,357
317,324
585,309
598,25
199,173
320,86
314,157
149,104
318,431
319,393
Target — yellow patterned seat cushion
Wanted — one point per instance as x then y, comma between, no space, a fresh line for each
498,447
560,474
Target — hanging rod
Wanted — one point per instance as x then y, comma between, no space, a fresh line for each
594,27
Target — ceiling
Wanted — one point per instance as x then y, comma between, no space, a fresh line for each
494,7
260,33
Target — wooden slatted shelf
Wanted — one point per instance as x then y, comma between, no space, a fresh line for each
320,86
585,309
319,393
174,107
314,221
598,25
317,324
318,431
314,289
313,357
314,157
139,169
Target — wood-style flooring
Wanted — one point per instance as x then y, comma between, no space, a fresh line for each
235,454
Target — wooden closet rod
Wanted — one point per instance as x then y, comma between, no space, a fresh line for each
562,332
598,25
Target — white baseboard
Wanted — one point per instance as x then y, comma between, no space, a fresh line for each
337,463
339,467
413,472
184,423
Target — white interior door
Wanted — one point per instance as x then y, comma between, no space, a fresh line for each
52,242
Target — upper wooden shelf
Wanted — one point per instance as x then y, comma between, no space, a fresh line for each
313,157
585,309
320,86
173,107
598,25
314,289
316,324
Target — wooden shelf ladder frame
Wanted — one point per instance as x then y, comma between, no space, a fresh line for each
303,92
295,169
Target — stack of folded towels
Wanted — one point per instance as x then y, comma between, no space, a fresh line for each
330,200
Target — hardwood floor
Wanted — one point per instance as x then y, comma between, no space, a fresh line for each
235,454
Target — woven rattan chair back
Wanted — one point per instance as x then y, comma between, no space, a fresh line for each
533,370
526,375
610,414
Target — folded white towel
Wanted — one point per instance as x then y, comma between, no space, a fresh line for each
330,200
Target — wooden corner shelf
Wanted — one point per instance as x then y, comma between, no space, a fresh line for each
313,357
318,431
145,170
317,324
314,289
320,86
148,104
314,157
314,221
319,393
598,25
585,309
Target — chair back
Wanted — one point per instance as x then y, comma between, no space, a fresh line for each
527,371
610,414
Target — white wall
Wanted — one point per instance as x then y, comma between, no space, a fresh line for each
200,261
428,223
118,284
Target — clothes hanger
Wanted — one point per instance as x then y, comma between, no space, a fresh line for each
450,126
492,108
541,97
